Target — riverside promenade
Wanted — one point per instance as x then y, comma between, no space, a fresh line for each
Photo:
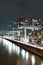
29,47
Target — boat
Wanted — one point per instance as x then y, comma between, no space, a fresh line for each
28,35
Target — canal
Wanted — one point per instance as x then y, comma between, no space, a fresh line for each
11,54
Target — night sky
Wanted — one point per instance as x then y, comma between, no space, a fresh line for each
11,10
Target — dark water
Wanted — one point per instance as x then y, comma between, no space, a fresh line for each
11,54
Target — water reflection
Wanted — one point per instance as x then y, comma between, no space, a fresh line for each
42,63
8,45
23,53
11,54
27,55
33,60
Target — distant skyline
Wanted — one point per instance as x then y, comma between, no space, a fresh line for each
11,10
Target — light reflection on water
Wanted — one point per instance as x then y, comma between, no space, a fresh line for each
8,45
27,55
22,56
23,53
42,63
33,60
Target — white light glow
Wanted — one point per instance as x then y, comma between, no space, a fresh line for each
23,53
14,47
33,60
42,42
0,40
18,50
8,45
27,55
42,63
